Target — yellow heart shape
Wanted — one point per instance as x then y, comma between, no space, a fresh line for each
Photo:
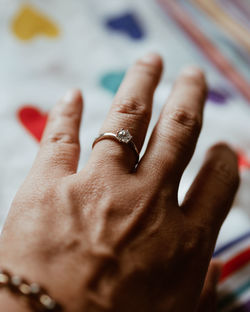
29,23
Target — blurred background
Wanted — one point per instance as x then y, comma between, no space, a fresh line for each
50,46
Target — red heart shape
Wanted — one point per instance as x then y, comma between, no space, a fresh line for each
33,120
243,161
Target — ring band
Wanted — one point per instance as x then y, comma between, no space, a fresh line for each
121,136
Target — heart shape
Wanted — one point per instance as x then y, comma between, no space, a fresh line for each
128,24
244,162
29,23
218,96
111,81
33,120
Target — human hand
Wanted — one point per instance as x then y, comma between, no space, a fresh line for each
110,238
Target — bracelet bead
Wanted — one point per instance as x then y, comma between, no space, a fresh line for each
37,297
4,279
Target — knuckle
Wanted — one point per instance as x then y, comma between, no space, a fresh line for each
180,128
46,192
61,137
60,147
191,122
133,106
70,115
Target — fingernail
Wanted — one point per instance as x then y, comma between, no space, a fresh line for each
193,71
70,96
152,59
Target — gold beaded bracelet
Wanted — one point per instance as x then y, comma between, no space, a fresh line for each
36,297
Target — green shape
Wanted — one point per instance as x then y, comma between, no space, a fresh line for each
228,299
112,80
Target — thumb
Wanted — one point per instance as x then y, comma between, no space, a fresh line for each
208,299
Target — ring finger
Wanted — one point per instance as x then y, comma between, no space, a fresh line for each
131,110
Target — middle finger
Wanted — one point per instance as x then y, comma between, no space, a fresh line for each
174,138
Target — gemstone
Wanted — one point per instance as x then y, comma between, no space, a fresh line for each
35,288
124,136
4,278
16,280
24,289
47,302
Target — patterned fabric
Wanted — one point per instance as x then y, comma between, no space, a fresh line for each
48,47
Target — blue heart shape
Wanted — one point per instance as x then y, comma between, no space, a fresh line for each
218,96
111,81
127,23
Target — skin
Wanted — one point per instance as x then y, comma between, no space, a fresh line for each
110,238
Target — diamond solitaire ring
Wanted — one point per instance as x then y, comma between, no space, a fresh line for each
121,136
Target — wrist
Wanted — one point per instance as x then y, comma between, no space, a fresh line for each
75,287
32,294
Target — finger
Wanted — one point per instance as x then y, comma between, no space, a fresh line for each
211,195
174,138
131,109
208,299
60,148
